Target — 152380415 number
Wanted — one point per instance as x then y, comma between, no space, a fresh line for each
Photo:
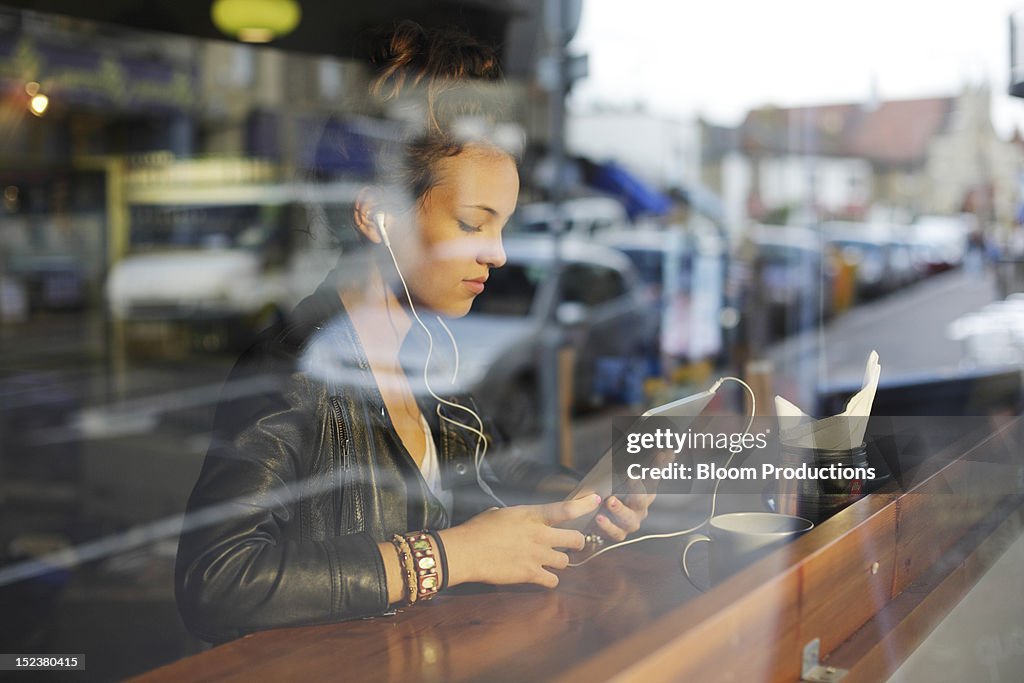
36,662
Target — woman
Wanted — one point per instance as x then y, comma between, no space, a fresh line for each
349,486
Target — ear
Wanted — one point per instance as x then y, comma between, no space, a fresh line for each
368,205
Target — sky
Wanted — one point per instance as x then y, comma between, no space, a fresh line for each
721,58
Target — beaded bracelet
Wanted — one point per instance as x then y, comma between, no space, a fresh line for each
427,583
443,557
406,561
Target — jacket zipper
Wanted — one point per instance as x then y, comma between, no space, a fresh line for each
340,449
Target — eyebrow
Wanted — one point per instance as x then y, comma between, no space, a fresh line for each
482,207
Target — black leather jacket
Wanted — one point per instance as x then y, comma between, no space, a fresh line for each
304,476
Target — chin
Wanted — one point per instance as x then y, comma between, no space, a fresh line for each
454,309
456,312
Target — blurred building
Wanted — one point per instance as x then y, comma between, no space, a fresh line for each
971,169
897,158
724,170
75,95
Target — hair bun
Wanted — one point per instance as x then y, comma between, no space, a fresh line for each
411,55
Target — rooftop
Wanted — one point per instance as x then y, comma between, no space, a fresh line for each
890,133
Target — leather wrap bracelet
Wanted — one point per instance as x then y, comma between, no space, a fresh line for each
406,561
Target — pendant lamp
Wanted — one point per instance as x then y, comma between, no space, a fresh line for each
256,21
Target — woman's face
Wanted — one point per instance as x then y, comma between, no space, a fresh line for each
458,224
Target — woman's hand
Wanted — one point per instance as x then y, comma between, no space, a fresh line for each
621,516
515,544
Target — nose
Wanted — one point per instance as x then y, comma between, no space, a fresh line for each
492,253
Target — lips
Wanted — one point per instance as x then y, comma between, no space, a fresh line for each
475,285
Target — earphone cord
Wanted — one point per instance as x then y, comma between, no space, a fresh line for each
714,493
481,442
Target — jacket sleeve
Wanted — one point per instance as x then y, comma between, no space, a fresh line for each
243,564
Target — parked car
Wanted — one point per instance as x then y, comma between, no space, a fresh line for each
943,240
683,275
792,281
884,261
868,249
598,302
909,260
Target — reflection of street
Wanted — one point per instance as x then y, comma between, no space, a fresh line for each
61,358
908,329
166,406
85,454
82,459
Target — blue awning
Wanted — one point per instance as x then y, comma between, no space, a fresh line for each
637,196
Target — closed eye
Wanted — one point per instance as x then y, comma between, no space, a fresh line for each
466,227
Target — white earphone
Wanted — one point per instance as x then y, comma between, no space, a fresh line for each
481,440
378,219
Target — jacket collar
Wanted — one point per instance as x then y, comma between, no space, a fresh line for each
329,350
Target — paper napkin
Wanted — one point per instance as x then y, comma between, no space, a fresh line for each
839,432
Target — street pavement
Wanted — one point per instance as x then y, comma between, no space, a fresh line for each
908,329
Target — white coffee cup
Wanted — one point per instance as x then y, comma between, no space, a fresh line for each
736,539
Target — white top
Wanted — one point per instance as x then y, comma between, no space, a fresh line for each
430,467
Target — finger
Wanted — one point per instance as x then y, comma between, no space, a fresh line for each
637,502
546,579
641,492
609,529
556,560
569,539
565,510
627,517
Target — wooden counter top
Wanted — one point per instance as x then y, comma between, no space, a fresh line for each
869,584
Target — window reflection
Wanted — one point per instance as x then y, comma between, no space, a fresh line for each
172,196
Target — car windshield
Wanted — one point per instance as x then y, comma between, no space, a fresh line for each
510,291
